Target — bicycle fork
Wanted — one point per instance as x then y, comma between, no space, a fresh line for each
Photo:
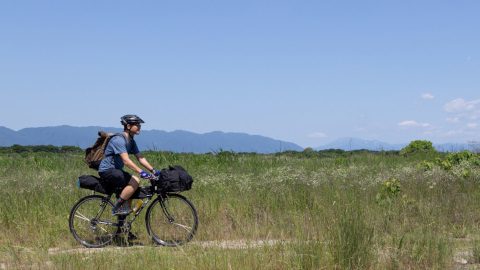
163,203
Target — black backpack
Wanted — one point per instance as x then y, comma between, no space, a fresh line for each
174,179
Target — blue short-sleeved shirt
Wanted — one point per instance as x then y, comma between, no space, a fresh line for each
116,146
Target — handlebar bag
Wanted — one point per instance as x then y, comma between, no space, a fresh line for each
174,179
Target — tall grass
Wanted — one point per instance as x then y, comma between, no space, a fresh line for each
323,207
351,237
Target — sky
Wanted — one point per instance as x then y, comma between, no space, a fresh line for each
307,72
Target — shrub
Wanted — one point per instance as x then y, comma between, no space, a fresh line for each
389,190
308,150
457,158
445,164
425,165
418,146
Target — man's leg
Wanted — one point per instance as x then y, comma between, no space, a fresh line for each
127,192
132,186
120,208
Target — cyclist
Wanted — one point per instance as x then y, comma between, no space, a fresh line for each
116,155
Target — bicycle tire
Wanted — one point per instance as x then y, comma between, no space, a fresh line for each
91,220
171,220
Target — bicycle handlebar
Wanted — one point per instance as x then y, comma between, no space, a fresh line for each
152,179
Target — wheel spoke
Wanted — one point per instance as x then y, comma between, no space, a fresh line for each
188,229
109,223
79,215
103,229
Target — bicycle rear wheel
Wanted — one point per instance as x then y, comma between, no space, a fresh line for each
91,221
171,220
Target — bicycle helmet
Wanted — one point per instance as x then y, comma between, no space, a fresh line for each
131,119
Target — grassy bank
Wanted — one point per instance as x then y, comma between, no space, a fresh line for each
338,210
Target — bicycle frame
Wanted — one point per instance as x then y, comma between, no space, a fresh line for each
148,197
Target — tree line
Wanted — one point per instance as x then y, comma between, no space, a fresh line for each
40,148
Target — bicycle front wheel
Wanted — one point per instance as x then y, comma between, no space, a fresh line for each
91,221
171,220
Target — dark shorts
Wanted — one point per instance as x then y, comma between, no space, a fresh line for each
115,178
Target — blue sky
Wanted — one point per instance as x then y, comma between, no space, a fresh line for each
308,72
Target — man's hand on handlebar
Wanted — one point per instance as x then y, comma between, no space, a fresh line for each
156,172
145,175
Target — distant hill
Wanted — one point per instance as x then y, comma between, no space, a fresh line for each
176,141
349,144
185,141
456,147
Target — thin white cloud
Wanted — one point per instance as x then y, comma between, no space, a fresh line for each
475,115
461,134
453,119
453,133
427,96
317,135
428,133
414,124
460,105
472,125
463,111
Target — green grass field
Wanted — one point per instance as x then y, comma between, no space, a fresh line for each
328,210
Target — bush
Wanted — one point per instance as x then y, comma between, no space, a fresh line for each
457,158
418,146
389,190
425,165
308,150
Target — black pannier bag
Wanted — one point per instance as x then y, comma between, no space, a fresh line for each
174,179
93,183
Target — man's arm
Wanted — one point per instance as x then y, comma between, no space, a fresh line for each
144,162
129,163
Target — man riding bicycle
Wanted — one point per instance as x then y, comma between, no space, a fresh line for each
116,156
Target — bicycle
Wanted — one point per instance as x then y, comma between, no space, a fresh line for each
171,219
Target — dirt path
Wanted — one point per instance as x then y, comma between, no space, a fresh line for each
233,244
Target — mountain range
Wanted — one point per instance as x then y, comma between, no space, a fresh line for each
185,141
176,141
